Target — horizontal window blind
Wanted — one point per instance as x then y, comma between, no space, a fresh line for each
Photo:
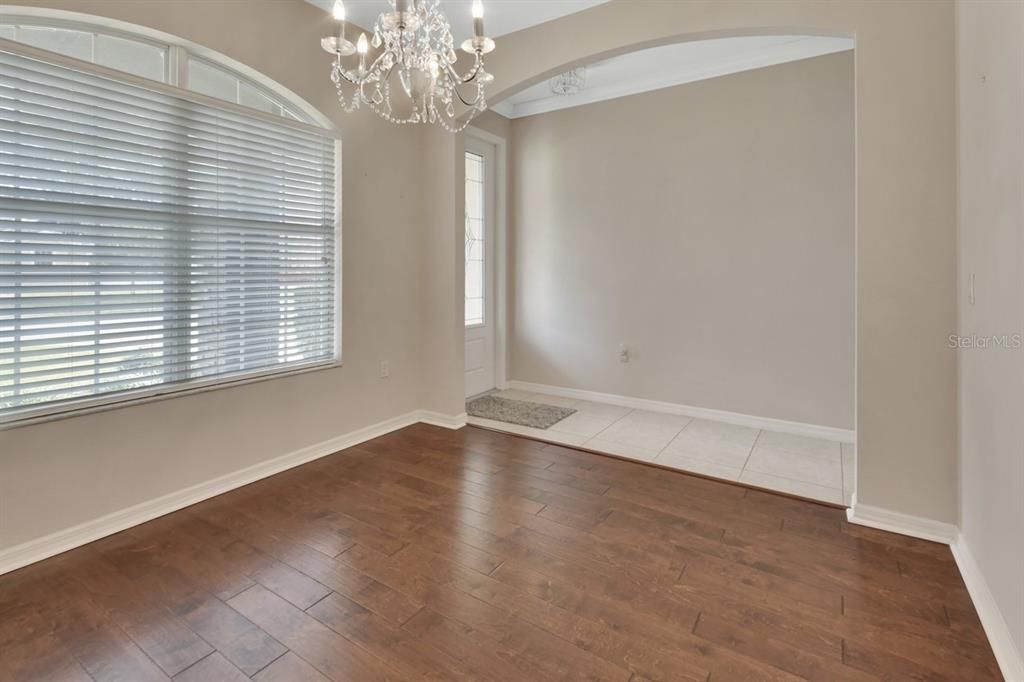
148,242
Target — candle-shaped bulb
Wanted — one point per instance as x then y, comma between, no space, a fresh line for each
400,5
478,18
339,15
362,47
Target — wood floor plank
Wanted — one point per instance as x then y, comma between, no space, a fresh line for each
458,555
290,668
410,656
290,584
777,653
213,667
865,588
627,649
330,572
43,657
327,651
658,635
240,640
533,650
171,644
462,643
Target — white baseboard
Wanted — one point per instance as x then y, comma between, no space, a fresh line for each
897,522
766,423
444,420
1008,656
63,540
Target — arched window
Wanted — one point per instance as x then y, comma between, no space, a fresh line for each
167,220
148,54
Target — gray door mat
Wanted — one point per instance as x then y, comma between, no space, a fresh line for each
522,412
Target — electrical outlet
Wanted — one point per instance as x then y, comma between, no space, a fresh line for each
385,370
623,353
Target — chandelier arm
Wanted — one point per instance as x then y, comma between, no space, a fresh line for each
387,76
470,76
375,66
347,75
458,93
474,104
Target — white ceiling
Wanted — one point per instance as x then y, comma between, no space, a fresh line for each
662,67
500,16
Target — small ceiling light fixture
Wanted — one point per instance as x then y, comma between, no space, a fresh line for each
416,41
570,82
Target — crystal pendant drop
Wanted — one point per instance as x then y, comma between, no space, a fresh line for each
406,80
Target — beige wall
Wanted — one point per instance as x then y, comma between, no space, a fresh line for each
443,284
710,228
59,474
991,80
63,473
493,123
906,204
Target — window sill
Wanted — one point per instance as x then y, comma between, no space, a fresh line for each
148,395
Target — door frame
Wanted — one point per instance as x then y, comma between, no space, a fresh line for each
500,252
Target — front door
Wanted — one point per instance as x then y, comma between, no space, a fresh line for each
480,279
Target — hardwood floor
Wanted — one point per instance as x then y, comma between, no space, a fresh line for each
430,554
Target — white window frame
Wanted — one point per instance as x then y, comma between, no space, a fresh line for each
177,63
179,51
501,250
487,240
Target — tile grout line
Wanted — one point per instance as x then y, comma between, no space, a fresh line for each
793,480
742,470
616,421
841,490
689,420
753,445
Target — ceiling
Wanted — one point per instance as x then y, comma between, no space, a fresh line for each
670,65
627,74
500,16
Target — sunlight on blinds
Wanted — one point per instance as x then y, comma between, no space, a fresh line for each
147,240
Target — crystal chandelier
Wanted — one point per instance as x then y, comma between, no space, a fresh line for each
570,82
416,41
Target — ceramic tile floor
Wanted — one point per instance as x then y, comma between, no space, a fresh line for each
808,467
